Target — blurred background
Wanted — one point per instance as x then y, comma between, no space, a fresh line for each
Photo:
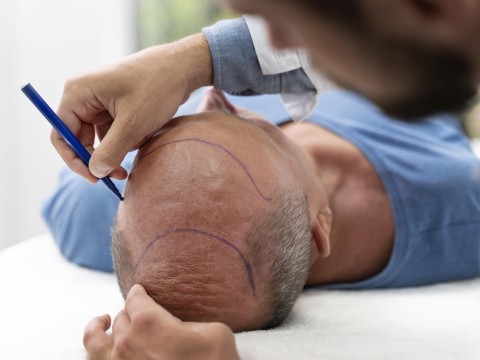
45,42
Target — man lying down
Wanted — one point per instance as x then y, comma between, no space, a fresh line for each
227,216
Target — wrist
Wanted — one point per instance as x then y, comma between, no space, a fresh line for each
195,52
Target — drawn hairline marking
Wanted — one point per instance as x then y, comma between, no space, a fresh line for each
246,262
218,147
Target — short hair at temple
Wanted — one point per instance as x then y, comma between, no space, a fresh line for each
278,245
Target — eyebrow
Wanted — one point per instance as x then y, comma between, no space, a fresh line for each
246,262
218,147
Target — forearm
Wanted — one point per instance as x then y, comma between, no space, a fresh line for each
236,68
198,60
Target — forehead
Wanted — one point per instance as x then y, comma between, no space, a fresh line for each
210,147
198,174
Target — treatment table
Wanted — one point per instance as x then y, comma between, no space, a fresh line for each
46,302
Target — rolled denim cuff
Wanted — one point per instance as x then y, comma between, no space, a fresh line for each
236,69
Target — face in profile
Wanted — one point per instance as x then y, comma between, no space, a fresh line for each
375,48
215,224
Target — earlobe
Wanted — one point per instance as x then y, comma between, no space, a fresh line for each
321,229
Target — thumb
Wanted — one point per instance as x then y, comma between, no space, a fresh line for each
138,302
117,142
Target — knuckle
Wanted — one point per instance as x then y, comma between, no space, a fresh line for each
220,329
70,84
220,333
122,345
87,336
143,320
75,84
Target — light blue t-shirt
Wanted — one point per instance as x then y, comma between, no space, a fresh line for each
429,171
432,179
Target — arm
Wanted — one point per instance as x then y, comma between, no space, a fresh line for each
274,61
80,216
126,103
237,70
144,331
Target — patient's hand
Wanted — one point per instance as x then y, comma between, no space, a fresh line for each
125,104
145,331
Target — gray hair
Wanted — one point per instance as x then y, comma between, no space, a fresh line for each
280,242
279,246
122,261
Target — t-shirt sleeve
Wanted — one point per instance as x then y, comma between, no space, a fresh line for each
236,68
80,216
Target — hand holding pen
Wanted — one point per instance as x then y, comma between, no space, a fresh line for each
65,133
125,104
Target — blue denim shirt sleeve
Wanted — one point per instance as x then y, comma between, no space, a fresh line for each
80,216
236,69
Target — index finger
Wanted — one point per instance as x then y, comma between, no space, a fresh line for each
83,131
96,341
70,158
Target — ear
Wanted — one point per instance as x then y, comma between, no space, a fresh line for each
215,100
449,20
321,229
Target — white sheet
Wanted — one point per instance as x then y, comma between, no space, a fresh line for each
46,302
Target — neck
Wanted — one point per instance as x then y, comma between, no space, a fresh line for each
332,159
358,203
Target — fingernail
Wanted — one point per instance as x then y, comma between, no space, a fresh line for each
98,170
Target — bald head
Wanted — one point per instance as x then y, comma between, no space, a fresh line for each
210,208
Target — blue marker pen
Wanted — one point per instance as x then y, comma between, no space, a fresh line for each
65,132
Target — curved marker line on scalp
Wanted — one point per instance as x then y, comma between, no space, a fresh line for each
220,147
247,264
